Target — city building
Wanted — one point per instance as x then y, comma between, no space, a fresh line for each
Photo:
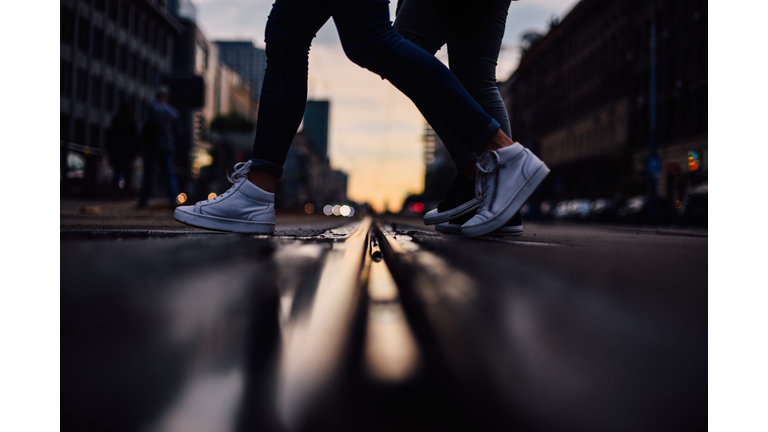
316,122
233,94
192,75
205,88
111,51
309,179
580,98
250,62
439,170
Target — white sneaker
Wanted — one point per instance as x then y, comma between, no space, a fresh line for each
460,201
507,177
244,208
504,231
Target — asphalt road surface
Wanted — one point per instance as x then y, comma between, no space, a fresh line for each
378,324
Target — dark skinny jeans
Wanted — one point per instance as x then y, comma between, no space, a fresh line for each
472,56
368,40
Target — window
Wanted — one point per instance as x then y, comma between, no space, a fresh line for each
79,137
122,58
132,65
135,23
111,57
112,10
95,136
141,75
147,73
163,43
152,37
67,25
151,80
124,14
96,92
98,43
83,34
201,58
65,74
100,5
144,30
109,97
64,127
82,85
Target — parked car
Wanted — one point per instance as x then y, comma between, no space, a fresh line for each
561,210
694,208
603,210
545,209
637,210
578,208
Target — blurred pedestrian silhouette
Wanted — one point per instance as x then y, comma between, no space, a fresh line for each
122,146
160,131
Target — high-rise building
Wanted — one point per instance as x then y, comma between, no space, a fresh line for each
316,117
111,51
581,97
250,62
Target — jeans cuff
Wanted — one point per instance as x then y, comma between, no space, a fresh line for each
485,135
274,169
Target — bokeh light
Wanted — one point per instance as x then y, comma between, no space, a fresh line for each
212,195
336,210
344,210
327,210
181,199
309,208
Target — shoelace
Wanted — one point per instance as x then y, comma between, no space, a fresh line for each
241,169
484,177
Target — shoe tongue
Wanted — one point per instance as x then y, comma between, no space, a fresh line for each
255,192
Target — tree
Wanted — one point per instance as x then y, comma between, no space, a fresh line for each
232,122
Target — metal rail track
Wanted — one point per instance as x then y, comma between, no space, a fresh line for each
365,328
393,315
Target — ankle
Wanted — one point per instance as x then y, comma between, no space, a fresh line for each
264,180
498,141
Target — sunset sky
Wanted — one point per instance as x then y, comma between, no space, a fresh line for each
375,131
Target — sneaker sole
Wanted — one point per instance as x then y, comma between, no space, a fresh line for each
504,231
223,224
434,217
512,207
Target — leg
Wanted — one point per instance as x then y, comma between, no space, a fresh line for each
291,26
127,171
473,60
116,172
148,178
370,41
419,22
166,166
